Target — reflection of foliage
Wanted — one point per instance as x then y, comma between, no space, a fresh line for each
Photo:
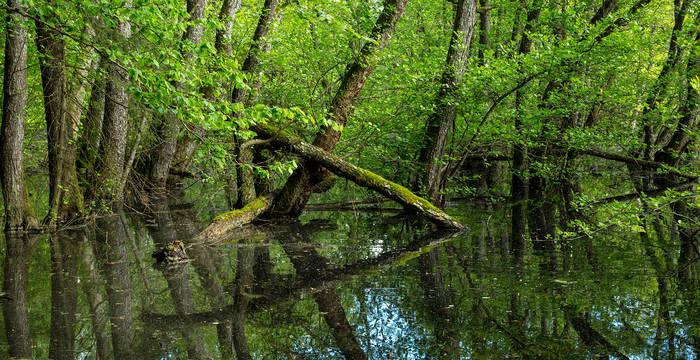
497,309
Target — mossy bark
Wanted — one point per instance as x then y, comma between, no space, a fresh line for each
224,223
359,176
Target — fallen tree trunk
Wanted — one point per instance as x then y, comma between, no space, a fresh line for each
359,176
223,224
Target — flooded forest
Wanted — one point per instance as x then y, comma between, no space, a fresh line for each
350,179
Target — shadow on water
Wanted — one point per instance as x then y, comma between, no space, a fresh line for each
341,285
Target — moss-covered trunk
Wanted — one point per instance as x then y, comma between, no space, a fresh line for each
359,176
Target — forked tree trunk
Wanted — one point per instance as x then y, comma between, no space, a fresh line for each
18,211
300,185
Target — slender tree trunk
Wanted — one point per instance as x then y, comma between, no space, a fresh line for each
169,127
442,120
299,186
519,184
114,129
484,29
18,211
244,282
204,261
659,87
52,58
678,144
91,134
309,265
440,303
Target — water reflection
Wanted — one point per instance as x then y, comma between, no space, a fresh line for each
344,285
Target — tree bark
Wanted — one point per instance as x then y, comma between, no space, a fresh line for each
91,134
91,283
442,120
484,29
223,224
169,128
359,176
177,277
18,211
114,129
299,186
52,58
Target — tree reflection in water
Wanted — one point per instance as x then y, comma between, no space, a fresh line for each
334,285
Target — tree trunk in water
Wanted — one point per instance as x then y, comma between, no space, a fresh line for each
299,186
441,121
519,186
169,127
678,144
114,129
359,176
18,211
204,261
244,281
18,253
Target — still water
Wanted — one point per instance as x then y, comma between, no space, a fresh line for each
351,284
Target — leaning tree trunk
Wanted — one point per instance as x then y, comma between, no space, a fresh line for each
300,185
359,176
18,211
442,119
169,127
222,227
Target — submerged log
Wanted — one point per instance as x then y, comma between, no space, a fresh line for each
227,222
359,176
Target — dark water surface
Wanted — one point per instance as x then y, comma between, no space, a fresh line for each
342,284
